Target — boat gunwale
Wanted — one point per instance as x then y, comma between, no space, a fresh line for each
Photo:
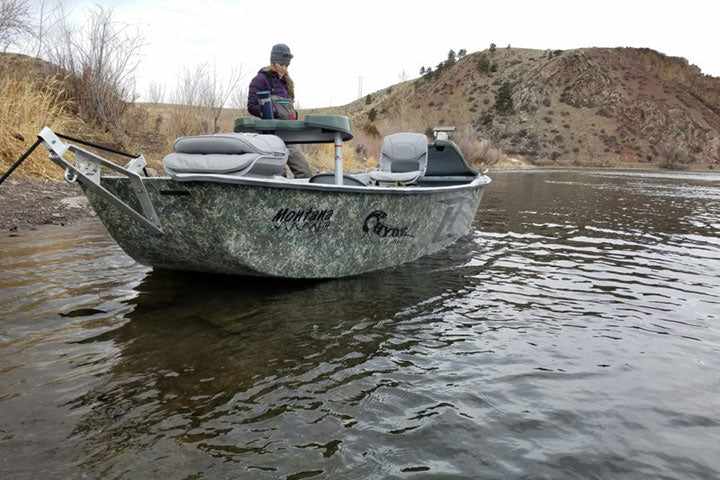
479,181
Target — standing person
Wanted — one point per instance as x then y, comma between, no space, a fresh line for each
275,79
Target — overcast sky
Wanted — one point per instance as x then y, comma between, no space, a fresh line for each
339,44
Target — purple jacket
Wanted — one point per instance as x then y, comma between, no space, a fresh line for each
260,83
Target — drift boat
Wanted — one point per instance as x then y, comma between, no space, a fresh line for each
225,207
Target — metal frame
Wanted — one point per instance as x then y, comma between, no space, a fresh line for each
338,159
86,170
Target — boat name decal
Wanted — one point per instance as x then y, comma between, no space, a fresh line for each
374,225
314,220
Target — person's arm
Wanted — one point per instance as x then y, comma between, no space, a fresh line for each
258,84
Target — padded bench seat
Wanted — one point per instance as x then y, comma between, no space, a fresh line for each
237,154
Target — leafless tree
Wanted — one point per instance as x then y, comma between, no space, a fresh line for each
217,93
156,93
14,22
201,96
674,157
187,118
239,96
101,58
48,16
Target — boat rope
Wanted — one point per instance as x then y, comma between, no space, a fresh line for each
72,139
95,145
100,147
20,160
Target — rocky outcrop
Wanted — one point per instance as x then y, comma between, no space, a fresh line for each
587,107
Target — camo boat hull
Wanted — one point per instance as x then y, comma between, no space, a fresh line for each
285,229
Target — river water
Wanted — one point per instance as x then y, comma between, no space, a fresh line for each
575,333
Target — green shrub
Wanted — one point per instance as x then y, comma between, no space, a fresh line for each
371,130
483,64
503,98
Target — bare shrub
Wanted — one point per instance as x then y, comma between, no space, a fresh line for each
477,151
14,22
371,140
199,99
217,93
370,129
186,118
239,97
674,157
156,93
101,59
403,117
47,18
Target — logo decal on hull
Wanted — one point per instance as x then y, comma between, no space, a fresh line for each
313,220
446,226
374,225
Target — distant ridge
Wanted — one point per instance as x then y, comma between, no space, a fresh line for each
605,107
589,107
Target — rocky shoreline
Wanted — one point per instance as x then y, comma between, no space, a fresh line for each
27,204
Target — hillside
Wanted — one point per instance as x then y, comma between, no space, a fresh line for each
619,107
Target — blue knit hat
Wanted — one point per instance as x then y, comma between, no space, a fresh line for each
280,54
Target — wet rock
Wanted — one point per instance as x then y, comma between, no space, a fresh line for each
27,203
75,202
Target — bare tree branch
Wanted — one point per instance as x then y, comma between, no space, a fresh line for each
48,16
200,97
14,22
218,93
238,98
156,93
101,58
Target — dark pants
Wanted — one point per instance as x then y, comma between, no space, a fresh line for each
297,162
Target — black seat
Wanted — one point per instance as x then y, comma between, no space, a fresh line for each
328,178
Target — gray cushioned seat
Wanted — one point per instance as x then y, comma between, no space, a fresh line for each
208,163
230,143
403,158
234,154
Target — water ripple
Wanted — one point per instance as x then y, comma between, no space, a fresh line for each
573,334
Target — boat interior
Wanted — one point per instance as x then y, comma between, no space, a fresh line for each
259,149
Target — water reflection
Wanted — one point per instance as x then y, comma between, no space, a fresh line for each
573,334
219,362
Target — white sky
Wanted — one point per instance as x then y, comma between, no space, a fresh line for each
335,42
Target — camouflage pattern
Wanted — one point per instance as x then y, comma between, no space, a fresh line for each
285,229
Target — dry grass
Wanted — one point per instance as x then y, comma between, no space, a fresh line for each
155,126
151,129
478,152
25,107
321,157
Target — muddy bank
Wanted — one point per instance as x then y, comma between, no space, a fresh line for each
28,203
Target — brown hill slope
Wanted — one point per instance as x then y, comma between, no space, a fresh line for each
619,107
622,107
